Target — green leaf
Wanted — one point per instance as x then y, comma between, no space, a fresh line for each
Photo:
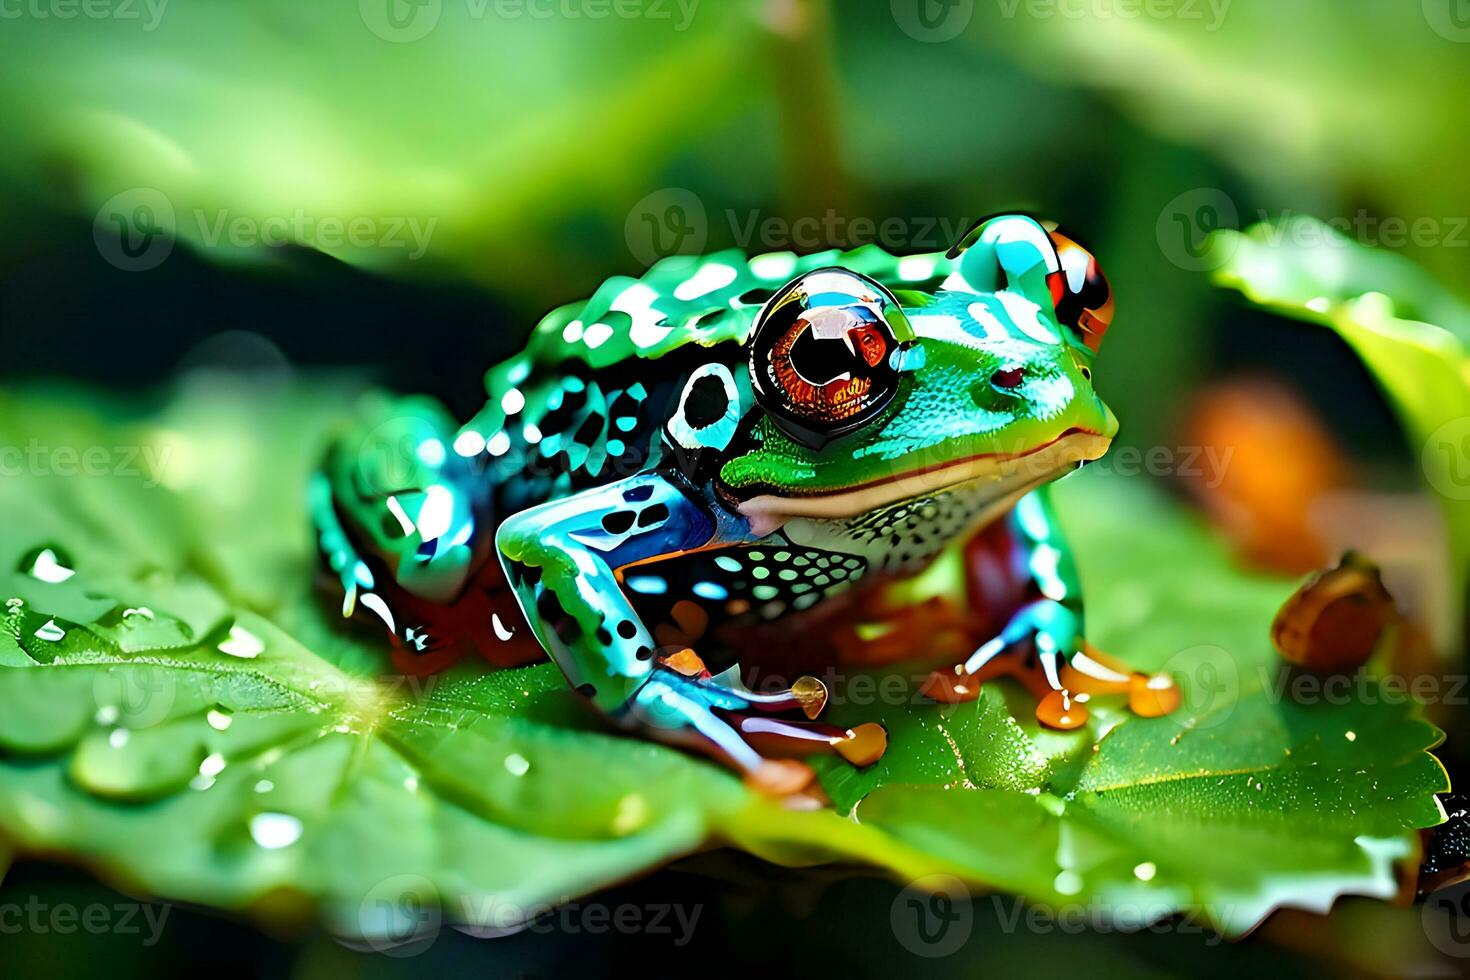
182,715
1410,332
1242,801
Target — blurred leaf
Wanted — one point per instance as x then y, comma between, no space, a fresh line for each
1357,117
154,727
1409,331
475,130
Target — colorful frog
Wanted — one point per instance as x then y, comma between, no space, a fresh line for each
735,460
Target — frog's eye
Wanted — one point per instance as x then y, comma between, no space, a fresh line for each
1080,292
824,354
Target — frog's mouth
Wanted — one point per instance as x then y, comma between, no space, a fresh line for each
1010,474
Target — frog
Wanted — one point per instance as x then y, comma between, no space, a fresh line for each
733,456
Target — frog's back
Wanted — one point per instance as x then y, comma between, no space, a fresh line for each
585,402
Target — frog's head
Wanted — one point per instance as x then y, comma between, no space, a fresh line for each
868,397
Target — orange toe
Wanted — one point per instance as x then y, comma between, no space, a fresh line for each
780,777
864,744
1150,696
1059,710
950,687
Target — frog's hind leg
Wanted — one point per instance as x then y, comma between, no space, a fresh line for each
405,526
1022,561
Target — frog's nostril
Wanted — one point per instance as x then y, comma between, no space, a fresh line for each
1008,378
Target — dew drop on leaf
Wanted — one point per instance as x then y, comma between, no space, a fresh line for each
275,830
49,564
242,643
50,632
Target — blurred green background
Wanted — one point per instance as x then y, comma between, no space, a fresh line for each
400,187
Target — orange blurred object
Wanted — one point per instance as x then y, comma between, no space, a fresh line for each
1264,459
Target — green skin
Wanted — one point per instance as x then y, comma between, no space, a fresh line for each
605,504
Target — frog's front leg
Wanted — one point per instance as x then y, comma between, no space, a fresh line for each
563,560
1041,642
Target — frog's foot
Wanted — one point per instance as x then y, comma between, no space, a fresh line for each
682,703
1056,707
1061,695
1093,672
807,694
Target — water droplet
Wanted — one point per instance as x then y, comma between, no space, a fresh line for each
48,565
1145,871
242,643
517,764
1350,736
632,813
264,786
51,632
275,830
212,766
118,737
142,612
1067,882
218,720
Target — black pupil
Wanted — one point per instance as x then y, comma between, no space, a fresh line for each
820,361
